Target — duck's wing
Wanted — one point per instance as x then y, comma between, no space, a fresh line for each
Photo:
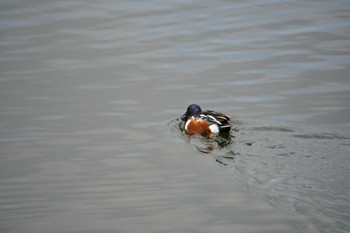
215,117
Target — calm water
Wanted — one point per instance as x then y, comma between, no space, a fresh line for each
88,96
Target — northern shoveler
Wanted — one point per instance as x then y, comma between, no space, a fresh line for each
205,122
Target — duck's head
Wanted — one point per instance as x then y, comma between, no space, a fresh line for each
192,110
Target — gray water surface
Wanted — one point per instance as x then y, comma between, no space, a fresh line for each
90,93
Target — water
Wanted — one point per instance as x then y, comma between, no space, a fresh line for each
88,96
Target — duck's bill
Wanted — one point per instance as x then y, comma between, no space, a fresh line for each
182,118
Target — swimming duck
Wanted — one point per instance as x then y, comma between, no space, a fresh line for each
205,122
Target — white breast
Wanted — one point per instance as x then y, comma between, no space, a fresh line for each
187,123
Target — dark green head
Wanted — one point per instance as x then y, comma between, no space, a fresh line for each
192,110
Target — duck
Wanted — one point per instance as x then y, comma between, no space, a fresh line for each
206,122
